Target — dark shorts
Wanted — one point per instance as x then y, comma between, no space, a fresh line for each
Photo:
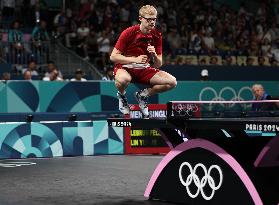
142,75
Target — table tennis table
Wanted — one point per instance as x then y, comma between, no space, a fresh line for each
215,158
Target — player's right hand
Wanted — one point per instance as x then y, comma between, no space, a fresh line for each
141,59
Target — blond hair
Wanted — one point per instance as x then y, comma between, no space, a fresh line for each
147,9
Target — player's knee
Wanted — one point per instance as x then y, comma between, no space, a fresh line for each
124,80
172,82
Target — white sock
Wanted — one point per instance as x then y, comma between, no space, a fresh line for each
122,93
144,93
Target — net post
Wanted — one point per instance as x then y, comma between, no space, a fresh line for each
169,109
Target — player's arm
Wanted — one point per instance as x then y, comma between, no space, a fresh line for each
158,59
117,57
156,50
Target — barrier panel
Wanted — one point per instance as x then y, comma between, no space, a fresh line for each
55,135
100,96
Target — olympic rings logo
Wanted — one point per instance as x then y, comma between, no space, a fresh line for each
185,109
221,97
236,96
200,183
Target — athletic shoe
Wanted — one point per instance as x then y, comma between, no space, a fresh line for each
142,104
123,104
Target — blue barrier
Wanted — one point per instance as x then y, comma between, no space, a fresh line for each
26,135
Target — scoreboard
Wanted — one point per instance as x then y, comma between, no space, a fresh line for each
146,141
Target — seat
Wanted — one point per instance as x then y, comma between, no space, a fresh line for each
241,60
191,60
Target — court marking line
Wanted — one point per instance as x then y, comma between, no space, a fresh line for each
16,164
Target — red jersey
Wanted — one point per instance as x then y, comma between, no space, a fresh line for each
132,42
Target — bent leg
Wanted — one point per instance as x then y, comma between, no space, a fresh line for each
122,80
161,82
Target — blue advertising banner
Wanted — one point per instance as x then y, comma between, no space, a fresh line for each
56,139
100,96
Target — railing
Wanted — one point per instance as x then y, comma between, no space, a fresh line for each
23,52
66,60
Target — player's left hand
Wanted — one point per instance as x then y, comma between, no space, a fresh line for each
151,49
